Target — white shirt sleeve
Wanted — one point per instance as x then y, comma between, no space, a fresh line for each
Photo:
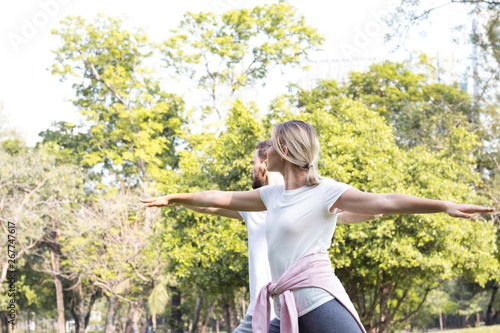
332,191
268,192
243,216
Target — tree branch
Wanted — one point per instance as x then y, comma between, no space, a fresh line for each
98,77
416,310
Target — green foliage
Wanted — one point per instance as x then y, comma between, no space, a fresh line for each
439,302
209,253
39,195
72,143
433,114
239,47
13,146
131,122
158,299
113,243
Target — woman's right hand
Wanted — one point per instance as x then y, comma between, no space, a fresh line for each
158,202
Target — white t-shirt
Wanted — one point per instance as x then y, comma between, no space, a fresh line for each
258,265
299,223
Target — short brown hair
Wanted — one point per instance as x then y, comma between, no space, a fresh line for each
262,148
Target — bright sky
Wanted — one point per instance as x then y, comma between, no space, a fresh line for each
32,98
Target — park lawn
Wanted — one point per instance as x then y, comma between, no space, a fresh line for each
482,329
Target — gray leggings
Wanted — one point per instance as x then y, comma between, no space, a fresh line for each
330,317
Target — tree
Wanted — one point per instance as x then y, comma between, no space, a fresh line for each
239,47
423,112
114,245
484,71
130,121
439,303
485,17
72,144
131,128
37,195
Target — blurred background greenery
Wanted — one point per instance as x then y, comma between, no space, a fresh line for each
90,258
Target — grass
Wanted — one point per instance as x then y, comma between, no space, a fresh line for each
482,329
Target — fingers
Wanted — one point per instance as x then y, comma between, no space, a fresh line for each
475,209
150,202
156,202
466,211
462,215
478,209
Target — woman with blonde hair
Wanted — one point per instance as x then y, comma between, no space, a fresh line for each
301,218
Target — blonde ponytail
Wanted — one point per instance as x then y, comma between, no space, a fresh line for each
313,177
302,144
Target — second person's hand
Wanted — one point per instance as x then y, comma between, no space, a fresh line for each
157,202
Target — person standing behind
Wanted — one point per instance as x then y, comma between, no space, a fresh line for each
255,222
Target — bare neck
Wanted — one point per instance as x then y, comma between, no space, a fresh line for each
274,178
295,176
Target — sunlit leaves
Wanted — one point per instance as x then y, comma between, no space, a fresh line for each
132,123
239,47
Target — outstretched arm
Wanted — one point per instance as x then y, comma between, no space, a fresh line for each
216,211
248,201
359,202
348,217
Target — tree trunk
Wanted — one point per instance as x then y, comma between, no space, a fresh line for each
384,311
91,306
110,316
2,320
81,310
207,318
117,322
153,322
441,321
137,315
128,319
490,317
176,320
73,305
196,314
12,328
229,313
56,262
478,319
134,313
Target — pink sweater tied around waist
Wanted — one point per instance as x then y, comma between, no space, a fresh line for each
314,270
